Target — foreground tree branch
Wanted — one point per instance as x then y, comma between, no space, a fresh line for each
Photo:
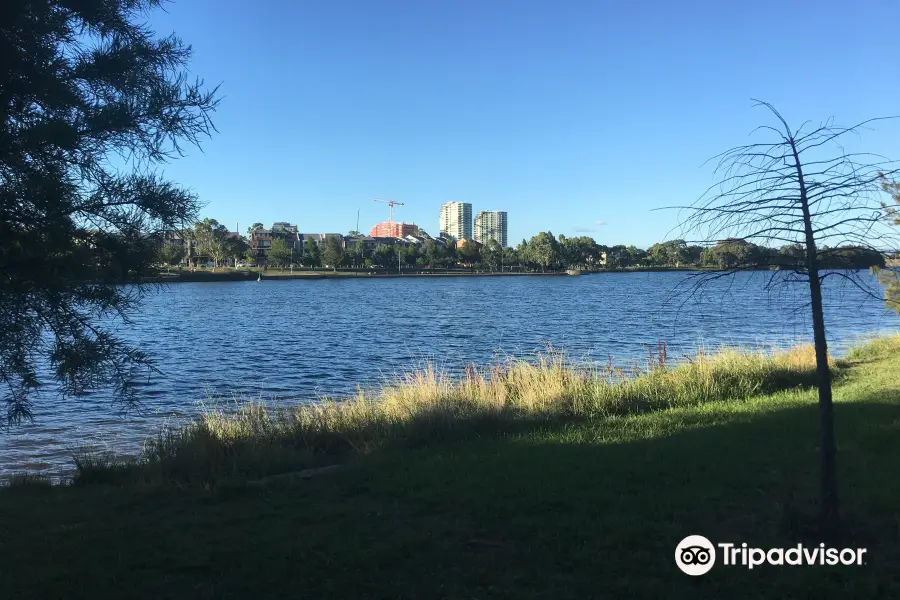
90,102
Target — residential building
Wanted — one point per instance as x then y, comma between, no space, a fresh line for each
491,225
319,238
456,220
394,230
261,239
284,227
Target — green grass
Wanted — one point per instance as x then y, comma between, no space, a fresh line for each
580,503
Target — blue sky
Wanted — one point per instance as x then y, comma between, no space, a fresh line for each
577,117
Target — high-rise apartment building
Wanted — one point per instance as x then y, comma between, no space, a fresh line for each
491,225
456,220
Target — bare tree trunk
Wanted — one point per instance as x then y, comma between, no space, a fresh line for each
829,514
766,192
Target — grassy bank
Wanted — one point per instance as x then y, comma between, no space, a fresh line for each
532,483
426,405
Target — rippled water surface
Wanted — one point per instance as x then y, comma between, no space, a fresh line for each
290,341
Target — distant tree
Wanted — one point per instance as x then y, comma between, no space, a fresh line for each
582,252
254,228
492,255
668,254
618,257
354,233
657,255
451,255
791,256
171,254
210,238
523,252
469,252
409,255
235,248
637,256
279,254
797,187
732,253
312,254
694,253
333,251
433,254
357,253
543,250
850,257
250,255
568,254
511,257
383,256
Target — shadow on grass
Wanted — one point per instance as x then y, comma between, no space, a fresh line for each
546,512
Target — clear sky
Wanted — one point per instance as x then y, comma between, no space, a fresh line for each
577,117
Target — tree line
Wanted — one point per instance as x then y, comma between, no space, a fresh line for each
543,252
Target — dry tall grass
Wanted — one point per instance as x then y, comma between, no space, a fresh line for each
425,405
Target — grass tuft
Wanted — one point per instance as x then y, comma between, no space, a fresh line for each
26,480
877,348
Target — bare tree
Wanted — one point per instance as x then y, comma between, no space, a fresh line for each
800,188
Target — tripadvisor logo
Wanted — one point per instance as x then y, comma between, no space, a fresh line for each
696,555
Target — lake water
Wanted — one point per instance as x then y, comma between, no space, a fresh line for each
291,341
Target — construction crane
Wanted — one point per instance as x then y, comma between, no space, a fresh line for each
390,203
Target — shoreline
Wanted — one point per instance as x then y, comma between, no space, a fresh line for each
245,275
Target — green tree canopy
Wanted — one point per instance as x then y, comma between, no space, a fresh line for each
433,253
333,251
618,257
210,238
312,254
580,252
492,255
235,247
469,252
383,256
543,250
669,254
732,253
409,255
81,82
279,254
171,254
357,253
